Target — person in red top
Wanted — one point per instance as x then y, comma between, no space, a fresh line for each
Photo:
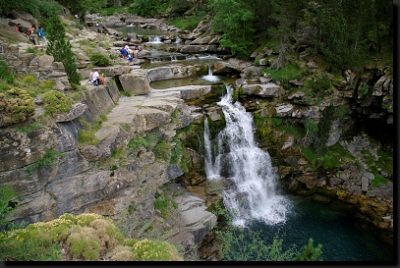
18,28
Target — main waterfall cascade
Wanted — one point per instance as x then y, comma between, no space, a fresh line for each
252,193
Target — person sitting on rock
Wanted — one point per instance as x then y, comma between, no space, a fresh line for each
18,28
130,58
101,79
91,76
95,78
124,53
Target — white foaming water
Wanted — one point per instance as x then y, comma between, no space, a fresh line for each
155,39
252,193
210,77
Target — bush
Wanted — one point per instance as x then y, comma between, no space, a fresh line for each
100,59
145,7
46,85
188,23
320,83
49,159
147,250
56,102
6,73
16,105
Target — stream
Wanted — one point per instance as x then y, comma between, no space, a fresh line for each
251,196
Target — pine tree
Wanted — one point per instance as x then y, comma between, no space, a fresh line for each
60,48
310,253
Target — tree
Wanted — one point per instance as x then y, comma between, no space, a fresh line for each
234,20
310,253
60,48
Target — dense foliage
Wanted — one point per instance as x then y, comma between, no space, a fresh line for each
39,9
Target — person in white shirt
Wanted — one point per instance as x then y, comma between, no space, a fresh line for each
95,77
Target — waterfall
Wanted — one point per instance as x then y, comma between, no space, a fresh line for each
178,40
251,194
210,77
155,39
174,58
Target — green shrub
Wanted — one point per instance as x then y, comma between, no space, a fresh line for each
16,105
188,23
103,117
162,151
46,85
379,180
30,128
146,250
145,7
310,253
137,142
285,74
49,159
320,83
164,203
29,79
100,59
56,102
30,50
364,89
6,73
87,137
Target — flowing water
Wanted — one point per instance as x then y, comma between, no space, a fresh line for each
210,77
252,194
253,202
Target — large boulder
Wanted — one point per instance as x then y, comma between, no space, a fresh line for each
147,119
135,82
10,32
24,17
77,110
195,221
270,90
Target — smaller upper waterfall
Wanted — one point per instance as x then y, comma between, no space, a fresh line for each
155,40
251,195
210,77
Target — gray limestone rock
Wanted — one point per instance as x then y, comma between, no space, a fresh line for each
77,110
135,82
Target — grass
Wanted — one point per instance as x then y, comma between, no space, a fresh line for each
334,156
49,159
30,128
284,75
86,136
138,141
384,163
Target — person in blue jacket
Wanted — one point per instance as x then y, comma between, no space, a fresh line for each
41,34
124,53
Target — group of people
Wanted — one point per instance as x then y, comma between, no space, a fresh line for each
127,52
96,78
31,32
